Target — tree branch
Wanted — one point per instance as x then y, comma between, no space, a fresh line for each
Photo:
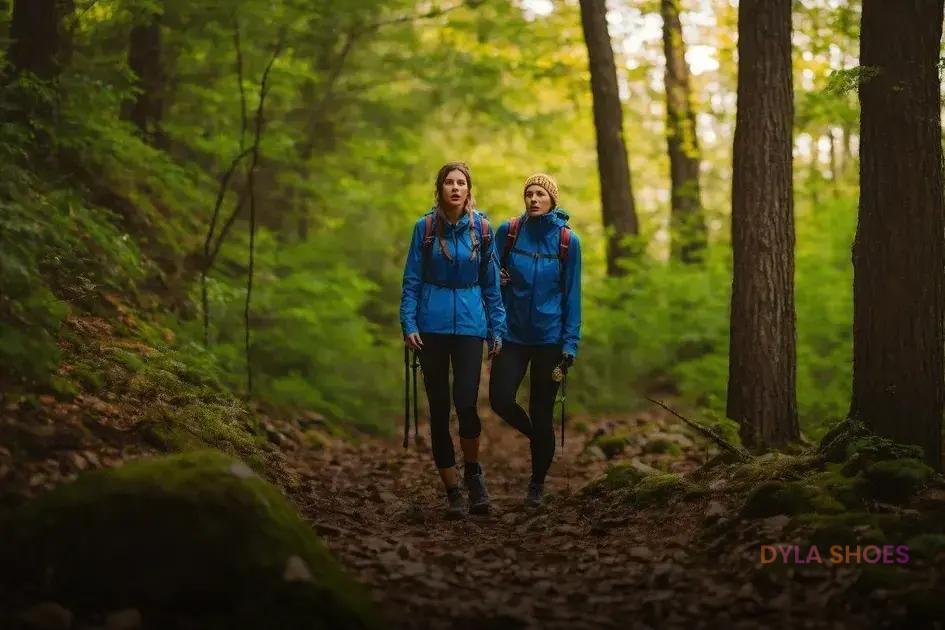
239,79
709,433
251,186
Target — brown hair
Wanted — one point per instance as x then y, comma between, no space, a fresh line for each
470,205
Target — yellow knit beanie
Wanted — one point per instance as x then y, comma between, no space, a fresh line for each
546,182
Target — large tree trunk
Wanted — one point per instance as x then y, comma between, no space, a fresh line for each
41,40
145,60
761,386
619,214
899,251
687,220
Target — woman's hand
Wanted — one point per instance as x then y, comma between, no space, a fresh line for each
504,277
413,341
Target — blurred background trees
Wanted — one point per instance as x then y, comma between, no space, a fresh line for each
121,120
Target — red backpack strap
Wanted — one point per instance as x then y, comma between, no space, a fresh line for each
564,244
510,240
484,232
427,233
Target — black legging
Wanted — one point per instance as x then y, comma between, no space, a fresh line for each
465,353
508,370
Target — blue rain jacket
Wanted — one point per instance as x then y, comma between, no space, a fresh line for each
542,301
455,297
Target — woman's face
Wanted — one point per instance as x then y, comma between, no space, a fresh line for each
537,200
455,189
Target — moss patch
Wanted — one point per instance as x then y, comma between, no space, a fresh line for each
610,445
927,546
195,535
660,488
772,466
662,445
617,477
793,497
896,480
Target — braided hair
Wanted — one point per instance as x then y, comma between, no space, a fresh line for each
468,208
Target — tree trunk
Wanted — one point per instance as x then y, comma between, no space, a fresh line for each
619,214
761,386
41,41
687,219
145,60
899,251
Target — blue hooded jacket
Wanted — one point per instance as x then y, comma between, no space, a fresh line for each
454,297
542,303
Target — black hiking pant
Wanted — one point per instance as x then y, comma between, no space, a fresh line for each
465,354
508,370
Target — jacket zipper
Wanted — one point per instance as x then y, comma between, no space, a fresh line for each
531,296
455,268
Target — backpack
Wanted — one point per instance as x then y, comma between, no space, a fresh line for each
512,235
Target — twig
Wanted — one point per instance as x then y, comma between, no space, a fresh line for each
207,259
239,79
706,431
250,184
432,13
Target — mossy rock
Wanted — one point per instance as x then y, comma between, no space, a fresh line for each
927,546
845,528
617,477
662,446
882,576
847,490
896,480
865,451
660,488
196,536
610,445
792,497
925,607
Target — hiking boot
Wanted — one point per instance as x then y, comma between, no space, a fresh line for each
456,504
478,495
536,492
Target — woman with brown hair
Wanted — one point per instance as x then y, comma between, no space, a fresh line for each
450,303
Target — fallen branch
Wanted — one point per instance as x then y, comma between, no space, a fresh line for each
706,431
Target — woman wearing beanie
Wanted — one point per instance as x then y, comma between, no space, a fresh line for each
451,301
541,288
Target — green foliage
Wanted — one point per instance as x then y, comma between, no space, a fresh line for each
842,82
366,100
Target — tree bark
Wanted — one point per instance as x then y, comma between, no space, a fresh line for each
41,42
619,214
899,250
762,366
687,219
145,60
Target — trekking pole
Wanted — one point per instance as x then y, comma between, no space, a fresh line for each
416,414
564,397
406,394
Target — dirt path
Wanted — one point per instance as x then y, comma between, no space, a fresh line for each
380,509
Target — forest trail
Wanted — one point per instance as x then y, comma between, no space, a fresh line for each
572,564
